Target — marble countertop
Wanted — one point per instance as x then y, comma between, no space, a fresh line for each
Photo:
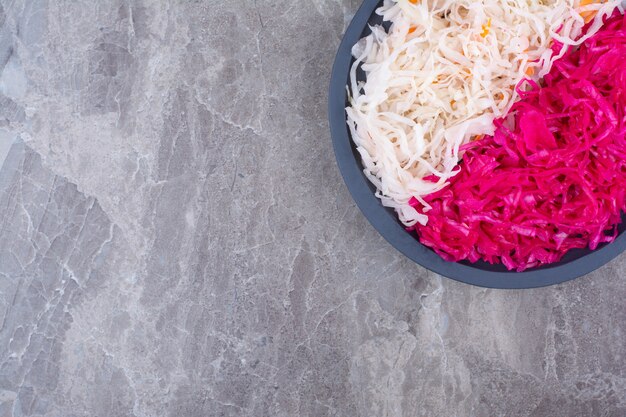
176,240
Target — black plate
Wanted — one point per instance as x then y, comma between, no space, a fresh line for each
575,264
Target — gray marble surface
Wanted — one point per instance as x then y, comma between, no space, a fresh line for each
176,240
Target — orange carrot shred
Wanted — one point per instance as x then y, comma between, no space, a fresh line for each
486,28
589,15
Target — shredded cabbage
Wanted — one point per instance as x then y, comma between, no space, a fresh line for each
441,75
553,176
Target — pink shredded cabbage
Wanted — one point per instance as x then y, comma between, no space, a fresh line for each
553,176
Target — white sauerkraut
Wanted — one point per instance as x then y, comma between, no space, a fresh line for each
441,75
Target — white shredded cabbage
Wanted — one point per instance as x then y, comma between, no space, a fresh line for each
441,75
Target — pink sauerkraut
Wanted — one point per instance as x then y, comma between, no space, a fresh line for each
553,176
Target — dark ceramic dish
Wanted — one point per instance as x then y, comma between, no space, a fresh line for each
575,264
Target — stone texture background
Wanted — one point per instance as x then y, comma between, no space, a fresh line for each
175,239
